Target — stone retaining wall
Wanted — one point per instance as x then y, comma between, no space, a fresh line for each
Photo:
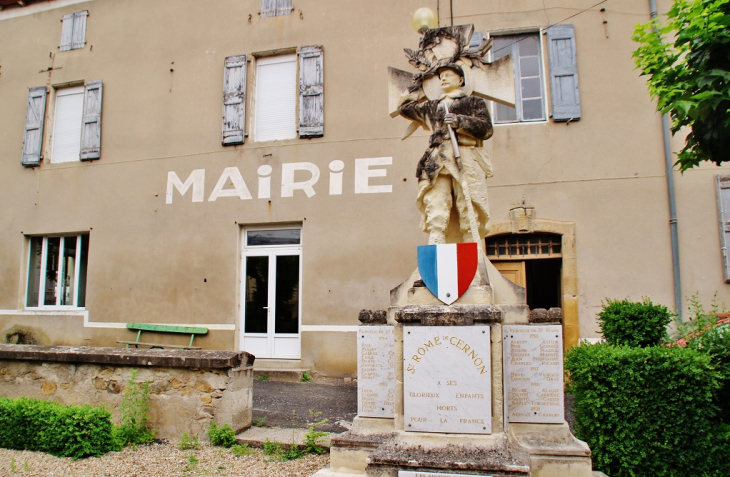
189,389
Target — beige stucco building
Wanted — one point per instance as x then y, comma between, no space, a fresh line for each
248,178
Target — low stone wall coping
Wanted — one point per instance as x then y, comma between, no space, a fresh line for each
174,358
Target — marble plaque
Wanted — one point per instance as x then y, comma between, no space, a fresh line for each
375,371
447,379
410,473
533,373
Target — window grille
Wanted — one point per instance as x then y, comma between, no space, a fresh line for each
527,246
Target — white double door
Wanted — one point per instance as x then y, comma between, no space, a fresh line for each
271,304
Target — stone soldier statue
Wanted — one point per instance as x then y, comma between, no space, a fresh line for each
447,209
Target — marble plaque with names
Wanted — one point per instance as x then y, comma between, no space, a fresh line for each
447,379
410,473
375,371
533,373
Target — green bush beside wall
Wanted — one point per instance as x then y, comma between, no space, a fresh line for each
637,324
63,431
649,411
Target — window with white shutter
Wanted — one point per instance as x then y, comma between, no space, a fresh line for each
722,188
67,117
73,31
275,8
234,100
276,98
77,123
311,91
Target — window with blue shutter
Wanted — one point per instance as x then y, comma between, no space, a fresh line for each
34,118
722,188
563,73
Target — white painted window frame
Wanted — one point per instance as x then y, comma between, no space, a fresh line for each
60,92
257,102
44,268
514,32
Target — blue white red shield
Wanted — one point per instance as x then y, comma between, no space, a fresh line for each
447,270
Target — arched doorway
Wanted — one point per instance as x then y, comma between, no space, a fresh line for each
548,253
533,261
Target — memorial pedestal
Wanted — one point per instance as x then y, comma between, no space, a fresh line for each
478,390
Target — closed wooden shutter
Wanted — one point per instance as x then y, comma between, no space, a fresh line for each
276,98
722,183
311,91
67,29
275,8
234,100
34,117
79,33
91,127
283,7
563,73
268,8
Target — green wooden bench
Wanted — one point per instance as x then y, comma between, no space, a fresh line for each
140,327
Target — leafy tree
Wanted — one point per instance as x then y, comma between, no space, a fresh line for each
688,65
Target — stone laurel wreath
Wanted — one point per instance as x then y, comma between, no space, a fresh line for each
425,60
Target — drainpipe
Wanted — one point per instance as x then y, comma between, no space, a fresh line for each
672,202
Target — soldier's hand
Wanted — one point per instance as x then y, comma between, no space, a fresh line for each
452,120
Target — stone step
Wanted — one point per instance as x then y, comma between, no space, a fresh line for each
293,375
268,363
327,472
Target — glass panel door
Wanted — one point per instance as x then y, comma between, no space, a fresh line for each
270,290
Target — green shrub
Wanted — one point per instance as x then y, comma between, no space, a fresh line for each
648,411
634,324
63,431
221,436
133,429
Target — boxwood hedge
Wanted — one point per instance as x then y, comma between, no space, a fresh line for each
63,431
649,411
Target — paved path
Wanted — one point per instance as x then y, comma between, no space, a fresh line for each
282,404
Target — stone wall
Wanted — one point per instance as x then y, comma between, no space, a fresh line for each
189,389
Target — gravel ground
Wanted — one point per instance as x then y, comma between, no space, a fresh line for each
159,459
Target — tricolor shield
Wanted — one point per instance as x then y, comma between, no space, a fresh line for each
447,270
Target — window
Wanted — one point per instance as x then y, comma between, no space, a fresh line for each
76,127
73,31
722,189
276,95
526,55
67,124
526,51
275,8
57,271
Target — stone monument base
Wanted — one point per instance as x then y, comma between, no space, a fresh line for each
449,367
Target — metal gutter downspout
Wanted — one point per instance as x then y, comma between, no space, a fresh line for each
672,198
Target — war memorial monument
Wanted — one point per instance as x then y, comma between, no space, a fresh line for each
457,377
